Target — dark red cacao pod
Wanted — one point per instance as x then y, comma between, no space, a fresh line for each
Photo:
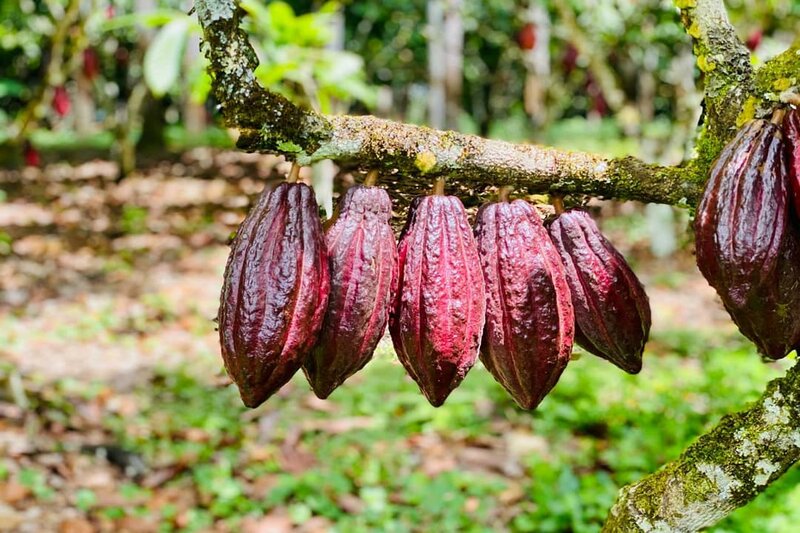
275,292
791,131
91,63
438,308
527,339
745,246
753,40
770,315
612,311
362,257
31,155
526,38
61,102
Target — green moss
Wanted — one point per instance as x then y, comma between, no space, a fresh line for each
780,73
748,112
425,161
783,84
685,4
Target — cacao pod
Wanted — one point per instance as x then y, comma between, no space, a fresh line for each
275,292
529,328
362,257
612,311
91,63
439,306
791,131
745,247
61,102
770,316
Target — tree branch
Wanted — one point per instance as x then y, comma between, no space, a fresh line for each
474,161
270,123
723,470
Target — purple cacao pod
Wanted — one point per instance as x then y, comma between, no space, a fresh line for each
362,257
791,131
439,305
527,339
612,311
275,292
746,248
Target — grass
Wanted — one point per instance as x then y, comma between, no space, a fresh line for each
376,456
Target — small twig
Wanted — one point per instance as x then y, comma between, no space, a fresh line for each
438,187
504,193
294,173
777,116
558,203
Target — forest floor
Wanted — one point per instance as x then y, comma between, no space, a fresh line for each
116,415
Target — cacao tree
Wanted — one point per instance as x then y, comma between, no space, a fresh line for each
725,468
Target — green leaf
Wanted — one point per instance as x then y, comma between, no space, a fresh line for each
199,81
9,87
85,499
150,19
289,146
162,62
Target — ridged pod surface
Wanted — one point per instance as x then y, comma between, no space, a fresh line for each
745,247
770,316
439,305
612,311
527,339
275,292
791,130
362,257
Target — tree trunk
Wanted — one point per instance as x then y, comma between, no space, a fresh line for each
454,62
537,63
437,63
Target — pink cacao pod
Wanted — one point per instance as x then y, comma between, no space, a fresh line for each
529,328
362,257
439,304
612,311
275,292
746,248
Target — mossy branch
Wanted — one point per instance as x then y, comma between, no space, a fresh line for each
723,470
270,123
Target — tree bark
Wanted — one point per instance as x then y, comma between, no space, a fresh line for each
722,470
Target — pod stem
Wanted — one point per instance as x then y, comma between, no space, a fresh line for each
504,192
294,174
438,188
777,116
558,203
372,178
